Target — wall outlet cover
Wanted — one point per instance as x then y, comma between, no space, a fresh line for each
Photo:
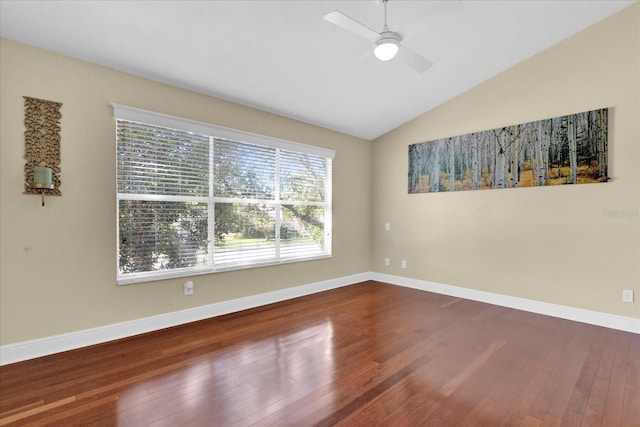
188,288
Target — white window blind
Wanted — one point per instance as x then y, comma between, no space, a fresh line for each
195,198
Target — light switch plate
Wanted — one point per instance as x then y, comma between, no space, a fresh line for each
627,295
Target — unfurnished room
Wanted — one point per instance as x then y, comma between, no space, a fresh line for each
320,213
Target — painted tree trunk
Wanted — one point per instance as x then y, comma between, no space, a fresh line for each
475,166
546,143
573,159
515,172
540,156
512,157
602,142
415,163
434,181
501,159
452,165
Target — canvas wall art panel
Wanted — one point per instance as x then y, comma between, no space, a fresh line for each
569,149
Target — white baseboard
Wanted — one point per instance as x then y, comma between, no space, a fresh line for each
26,350
612,321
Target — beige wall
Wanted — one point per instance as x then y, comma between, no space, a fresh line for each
550,244
554,244
58,263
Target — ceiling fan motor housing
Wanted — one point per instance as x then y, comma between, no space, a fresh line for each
387,45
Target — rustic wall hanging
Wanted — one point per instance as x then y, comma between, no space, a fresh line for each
42,147
569,149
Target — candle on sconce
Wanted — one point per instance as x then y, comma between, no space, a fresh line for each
42,177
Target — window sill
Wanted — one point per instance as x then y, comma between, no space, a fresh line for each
174,274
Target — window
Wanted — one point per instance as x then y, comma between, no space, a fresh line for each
195,198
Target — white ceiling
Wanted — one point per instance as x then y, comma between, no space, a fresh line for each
282,57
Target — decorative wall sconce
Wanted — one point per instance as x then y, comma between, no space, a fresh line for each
43,180
42,147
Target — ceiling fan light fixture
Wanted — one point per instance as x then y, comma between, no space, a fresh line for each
385,48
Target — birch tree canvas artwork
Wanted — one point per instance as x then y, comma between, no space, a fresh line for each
569,149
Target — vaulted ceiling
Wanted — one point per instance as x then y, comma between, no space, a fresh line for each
283,57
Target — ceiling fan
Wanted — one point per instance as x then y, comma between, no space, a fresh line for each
386,44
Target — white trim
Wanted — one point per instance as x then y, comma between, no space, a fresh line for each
139,115
25,350
153,276
612,321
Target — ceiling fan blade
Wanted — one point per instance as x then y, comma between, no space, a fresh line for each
414,60
350,24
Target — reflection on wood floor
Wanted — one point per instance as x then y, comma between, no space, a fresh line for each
368,354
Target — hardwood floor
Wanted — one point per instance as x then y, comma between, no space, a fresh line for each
368,354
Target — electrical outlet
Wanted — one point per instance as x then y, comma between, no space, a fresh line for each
627,295
188,288
387,226
404,263
387,261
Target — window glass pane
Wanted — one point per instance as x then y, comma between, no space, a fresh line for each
161,235
157,160
302,177
244,170
172,184
301,231
245,233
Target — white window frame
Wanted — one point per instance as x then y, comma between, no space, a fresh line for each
123,112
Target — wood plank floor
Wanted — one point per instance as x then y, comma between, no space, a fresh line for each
369,354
